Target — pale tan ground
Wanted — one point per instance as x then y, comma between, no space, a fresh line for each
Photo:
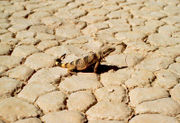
138,83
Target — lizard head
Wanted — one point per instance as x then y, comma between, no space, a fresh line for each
105,52
58,61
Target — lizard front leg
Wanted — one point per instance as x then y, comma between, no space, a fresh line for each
96,66
71,72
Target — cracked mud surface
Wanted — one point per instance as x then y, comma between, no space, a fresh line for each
137,83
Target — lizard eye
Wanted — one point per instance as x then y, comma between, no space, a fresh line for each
58,60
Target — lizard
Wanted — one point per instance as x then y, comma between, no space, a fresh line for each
93,59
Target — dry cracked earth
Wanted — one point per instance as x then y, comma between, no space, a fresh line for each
137,83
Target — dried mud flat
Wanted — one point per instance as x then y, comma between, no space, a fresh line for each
138,83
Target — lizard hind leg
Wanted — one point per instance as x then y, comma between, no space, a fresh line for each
96,66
